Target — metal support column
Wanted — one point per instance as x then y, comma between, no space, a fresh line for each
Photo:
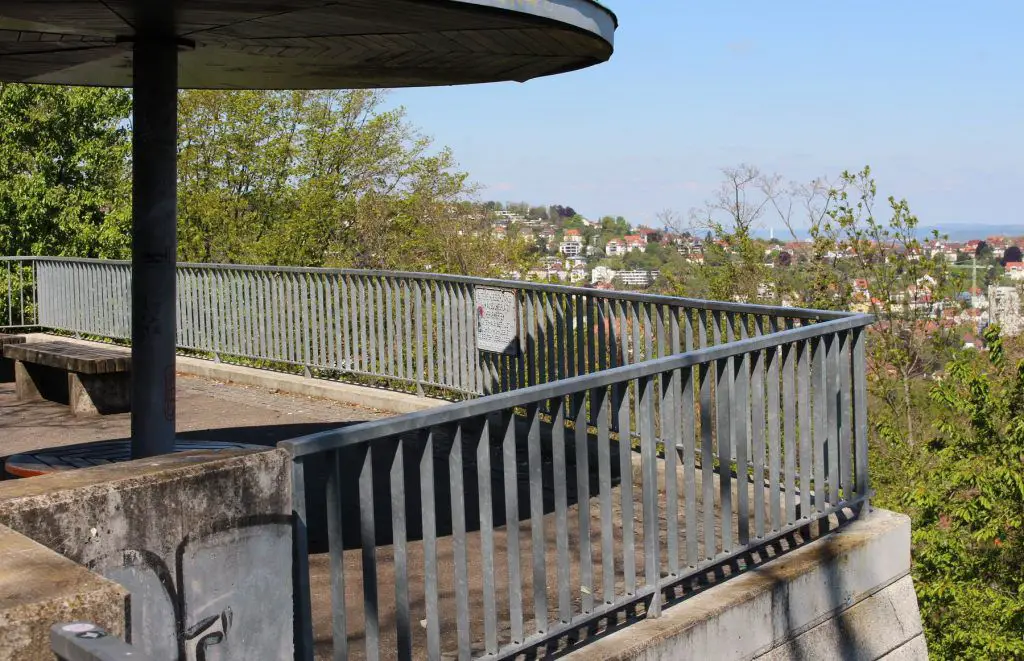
154,243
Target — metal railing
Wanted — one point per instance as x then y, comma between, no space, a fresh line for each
17,293
497,525
625,444
406,331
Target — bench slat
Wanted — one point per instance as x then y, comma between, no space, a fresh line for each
79,358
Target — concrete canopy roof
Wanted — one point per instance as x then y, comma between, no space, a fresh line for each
307,44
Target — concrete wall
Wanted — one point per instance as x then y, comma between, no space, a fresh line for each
39,588
202,541
845,596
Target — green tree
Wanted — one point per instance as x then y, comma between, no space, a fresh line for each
967,504
64,171
317,178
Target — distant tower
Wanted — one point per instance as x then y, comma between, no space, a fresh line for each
771,233
974,275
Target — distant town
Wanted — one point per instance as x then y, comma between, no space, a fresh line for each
610,253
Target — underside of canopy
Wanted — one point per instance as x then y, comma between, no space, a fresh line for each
306,44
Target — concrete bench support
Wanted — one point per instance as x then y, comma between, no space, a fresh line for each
6,364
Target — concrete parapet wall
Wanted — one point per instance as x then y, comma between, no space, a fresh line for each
202,542
39,588
847,595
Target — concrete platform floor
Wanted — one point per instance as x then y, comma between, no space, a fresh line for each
355,611
217,411
207,410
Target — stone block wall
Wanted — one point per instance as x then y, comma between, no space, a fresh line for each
201,541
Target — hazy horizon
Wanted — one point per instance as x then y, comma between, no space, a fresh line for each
925,95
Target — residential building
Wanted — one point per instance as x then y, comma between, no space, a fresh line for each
602,274
615,247
571,248
637,278
635,242
1015,270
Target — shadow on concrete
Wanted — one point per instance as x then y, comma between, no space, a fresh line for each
382,458
715,575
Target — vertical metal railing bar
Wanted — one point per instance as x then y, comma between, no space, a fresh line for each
551,330
832,408
757,428
819,393
429,513
388,327
571,368
509,470
470,355
789,443
586,571
410,301
741,438
623,425
450,339
860,413
458,503
669,436
288,327
336,545
10,303
419,349
804,399
604,467
381,326
342,325
723,410
400,546
483,468
561,509
332,327
370,322
649,457
368,545
324,314
540,599
361,334
707,457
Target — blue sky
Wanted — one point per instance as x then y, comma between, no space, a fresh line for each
930,94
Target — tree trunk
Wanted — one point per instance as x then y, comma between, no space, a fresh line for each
906,408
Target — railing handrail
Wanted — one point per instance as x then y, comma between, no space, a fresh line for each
335,439
639,297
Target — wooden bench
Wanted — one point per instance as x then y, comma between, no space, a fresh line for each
92,380
6,365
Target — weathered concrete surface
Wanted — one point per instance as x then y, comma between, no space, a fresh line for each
786,605
201,540
100,394
39,588
207,410
880,625
386,400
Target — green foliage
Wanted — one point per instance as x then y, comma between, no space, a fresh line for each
290,178
64,159
966,497
323,178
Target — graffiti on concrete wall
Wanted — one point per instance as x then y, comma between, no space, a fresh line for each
225,593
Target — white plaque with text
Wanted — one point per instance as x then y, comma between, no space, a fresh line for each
497,320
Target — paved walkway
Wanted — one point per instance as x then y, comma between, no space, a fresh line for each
207,410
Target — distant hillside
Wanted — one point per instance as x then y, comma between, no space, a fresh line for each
957,232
